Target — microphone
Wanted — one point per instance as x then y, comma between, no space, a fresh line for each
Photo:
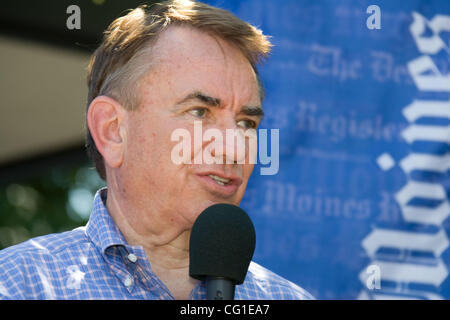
220,249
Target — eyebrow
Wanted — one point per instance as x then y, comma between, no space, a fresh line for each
216,102
198,96
253,111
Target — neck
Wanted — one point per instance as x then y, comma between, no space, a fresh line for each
167,251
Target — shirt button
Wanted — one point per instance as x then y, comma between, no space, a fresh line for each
132,257
128,281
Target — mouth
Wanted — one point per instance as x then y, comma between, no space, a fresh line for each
219,183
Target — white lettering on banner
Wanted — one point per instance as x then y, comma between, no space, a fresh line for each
404,271
344,126
381,66
417,132
427,162
394,295
410,272
433,44
289,200
433,216
435,82
426,108
414,189
384,238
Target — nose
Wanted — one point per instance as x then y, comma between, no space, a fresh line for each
231,144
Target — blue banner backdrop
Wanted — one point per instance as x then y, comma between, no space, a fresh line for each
359,206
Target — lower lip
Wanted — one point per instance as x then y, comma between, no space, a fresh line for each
225,190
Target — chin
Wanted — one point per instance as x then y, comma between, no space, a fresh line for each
195,209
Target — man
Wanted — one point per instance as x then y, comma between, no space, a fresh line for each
158,69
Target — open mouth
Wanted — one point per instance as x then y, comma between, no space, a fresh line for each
219,180
224,185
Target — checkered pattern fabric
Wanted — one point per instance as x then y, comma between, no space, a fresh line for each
95,262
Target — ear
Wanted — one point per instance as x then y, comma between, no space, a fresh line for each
106,119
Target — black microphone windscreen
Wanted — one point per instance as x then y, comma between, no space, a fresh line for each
222,243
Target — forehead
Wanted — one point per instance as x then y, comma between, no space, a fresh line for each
186,59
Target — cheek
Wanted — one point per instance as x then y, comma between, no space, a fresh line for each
139,153
150,153
138,145
247,171
146,137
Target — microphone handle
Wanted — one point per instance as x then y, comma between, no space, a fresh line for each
219,288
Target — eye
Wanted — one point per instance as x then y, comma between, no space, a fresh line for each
198,112
247,124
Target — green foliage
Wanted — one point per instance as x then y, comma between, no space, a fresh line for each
56,201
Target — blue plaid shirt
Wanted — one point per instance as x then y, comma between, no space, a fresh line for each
95,262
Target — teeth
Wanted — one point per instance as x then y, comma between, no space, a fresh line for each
219,180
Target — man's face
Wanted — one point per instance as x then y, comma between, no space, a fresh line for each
195,77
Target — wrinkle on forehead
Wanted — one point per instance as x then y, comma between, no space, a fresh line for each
212,54
172,42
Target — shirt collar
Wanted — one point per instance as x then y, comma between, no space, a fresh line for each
101,228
